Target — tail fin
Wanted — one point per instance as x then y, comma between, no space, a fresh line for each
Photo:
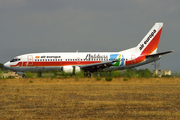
149,43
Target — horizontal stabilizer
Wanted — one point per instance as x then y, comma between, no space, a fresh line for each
158,54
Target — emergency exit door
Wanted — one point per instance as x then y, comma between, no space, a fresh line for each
29,60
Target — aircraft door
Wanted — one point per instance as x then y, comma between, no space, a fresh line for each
133,59
78,60
29,60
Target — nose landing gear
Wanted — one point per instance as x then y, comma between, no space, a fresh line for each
23,76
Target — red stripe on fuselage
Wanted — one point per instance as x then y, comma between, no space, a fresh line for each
53,63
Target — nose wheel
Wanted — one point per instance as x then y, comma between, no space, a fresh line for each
23,76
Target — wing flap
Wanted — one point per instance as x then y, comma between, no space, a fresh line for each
97,66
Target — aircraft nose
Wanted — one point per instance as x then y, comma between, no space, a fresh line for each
7,64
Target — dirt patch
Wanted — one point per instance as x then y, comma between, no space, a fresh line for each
86,98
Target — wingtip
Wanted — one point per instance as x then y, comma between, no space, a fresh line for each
170,51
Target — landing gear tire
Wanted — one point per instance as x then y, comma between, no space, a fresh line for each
23,76
87,74
39,74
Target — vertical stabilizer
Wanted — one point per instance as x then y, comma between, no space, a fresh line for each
149,43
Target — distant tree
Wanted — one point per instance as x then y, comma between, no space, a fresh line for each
144,73
130,73
2,67
147,73
1,75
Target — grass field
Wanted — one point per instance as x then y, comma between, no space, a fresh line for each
87,98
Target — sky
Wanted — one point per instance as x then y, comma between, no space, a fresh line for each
30,26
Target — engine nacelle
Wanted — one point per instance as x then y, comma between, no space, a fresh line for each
71,69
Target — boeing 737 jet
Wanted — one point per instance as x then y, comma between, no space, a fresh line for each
145,52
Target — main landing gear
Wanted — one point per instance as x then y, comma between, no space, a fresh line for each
87,74
39,74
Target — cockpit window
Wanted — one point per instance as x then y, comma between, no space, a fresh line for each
15,59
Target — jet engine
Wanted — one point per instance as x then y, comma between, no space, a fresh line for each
71,69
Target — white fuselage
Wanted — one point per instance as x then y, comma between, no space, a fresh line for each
55,61
143,53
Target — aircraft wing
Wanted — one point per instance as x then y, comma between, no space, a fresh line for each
97,66
158,54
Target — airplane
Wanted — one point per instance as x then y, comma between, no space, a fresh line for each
73,62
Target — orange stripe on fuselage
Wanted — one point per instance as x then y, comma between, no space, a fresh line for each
137,60
16,64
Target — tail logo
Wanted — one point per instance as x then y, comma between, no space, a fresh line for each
147,40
